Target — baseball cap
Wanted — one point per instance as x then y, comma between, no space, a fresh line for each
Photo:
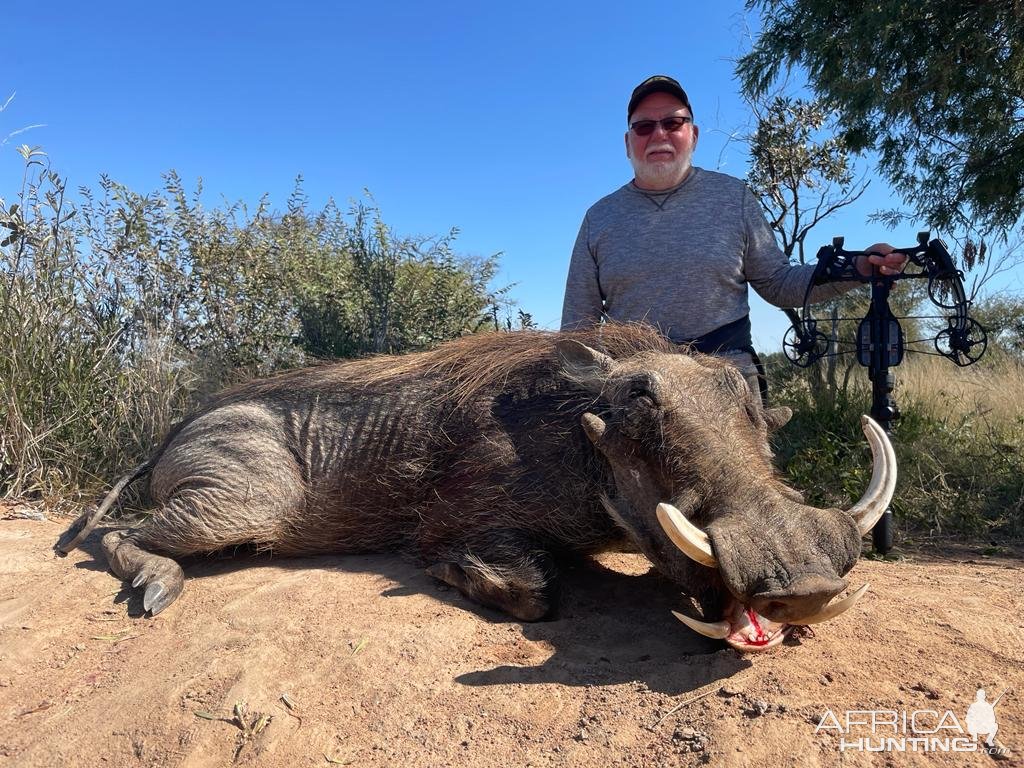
657,84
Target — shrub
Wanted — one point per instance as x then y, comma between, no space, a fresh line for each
118,316
959,444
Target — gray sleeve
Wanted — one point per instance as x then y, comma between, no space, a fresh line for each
583,304
768,270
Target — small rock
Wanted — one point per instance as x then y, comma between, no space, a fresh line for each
582,735
730,690
927,690
684,734
757,708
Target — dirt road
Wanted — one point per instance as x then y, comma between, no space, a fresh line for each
366,661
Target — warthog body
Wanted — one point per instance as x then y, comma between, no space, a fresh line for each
487,458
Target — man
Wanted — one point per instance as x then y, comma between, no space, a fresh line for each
677,246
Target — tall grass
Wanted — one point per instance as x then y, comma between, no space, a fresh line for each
991,391
117,316
959,444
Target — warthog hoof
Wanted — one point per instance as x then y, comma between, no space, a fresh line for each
163,578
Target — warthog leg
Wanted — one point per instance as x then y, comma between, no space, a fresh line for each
162,577
513,575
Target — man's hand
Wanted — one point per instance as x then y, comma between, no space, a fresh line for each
880,255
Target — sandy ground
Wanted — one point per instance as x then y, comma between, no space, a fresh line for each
366,661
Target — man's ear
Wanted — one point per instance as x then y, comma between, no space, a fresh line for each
626,138
696,135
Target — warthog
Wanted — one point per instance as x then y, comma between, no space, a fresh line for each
491,455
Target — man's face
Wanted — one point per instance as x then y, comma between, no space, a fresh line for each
661,159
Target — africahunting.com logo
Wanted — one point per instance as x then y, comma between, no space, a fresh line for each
919,730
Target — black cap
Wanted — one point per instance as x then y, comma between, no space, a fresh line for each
657,84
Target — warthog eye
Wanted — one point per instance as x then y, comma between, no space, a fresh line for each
642,396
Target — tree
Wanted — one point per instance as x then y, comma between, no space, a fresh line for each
800,173
1002,316
937,88
375,291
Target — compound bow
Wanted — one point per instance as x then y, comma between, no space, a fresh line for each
880,342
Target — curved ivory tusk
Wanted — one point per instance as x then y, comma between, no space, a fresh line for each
834,609
694,543
717,631
876,498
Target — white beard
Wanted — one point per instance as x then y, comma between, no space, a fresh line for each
660,175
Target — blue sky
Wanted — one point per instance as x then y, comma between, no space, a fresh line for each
504,120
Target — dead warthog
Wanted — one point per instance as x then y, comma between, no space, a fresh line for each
489,456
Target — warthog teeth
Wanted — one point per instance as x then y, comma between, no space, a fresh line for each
834,609
718,630
693,542
876,498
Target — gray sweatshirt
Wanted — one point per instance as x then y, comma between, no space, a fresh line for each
681,259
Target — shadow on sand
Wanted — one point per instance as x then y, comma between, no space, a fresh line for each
611,628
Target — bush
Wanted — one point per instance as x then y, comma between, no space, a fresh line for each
118,316
959,444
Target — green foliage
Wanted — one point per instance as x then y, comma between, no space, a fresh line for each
399,293
959,472
116,317
799,170
937,88
74,407
1002,316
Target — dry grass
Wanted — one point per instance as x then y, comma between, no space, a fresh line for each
118,317
959,443
992,389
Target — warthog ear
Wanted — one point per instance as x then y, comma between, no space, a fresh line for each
582,364
777,418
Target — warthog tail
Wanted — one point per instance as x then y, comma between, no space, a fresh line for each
87,521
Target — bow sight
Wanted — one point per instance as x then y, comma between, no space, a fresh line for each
880,342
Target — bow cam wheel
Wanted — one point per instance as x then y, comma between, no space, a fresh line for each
962,345
804,351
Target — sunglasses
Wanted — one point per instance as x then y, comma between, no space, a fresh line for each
668,124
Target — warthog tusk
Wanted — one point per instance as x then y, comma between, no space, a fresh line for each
875,500
694,543
719,630
833,610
